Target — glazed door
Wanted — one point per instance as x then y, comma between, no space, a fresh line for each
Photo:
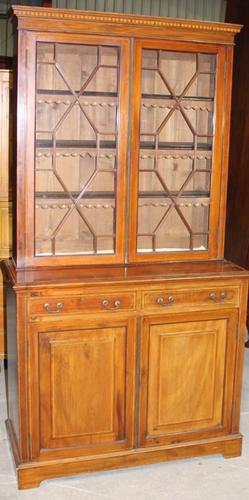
186,381
82,387
177,151
76,149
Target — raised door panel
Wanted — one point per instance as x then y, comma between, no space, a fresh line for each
186,389
86,388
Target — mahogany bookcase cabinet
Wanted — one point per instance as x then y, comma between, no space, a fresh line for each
125,324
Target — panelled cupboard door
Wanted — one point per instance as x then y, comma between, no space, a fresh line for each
77,88
82,387
186,384
178,112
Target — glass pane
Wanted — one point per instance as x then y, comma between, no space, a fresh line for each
176,140
77,100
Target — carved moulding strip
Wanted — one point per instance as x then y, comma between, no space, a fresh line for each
100,17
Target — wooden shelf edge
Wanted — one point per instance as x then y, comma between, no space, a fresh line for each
121,274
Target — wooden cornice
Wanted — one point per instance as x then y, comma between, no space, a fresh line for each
122,23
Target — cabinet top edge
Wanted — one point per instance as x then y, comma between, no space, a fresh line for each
123,19
138,274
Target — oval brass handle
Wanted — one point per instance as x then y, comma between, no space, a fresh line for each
106,305
217,300
58,309
170,301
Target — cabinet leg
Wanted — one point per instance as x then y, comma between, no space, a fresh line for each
26,482
232,454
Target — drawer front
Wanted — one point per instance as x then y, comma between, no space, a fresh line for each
168,299
102,303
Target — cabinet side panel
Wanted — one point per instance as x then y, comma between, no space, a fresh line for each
12,375
3,346
240,357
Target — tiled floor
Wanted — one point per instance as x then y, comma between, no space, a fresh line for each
209,478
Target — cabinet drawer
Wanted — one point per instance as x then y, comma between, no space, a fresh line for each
105,302
164,299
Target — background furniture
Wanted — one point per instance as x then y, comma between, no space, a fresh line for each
125,323
5,207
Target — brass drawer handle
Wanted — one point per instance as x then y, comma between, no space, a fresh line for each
58,309
170,301
217,300
106,305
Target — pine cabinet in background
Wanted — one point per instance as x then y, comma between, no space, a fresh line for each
5,195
